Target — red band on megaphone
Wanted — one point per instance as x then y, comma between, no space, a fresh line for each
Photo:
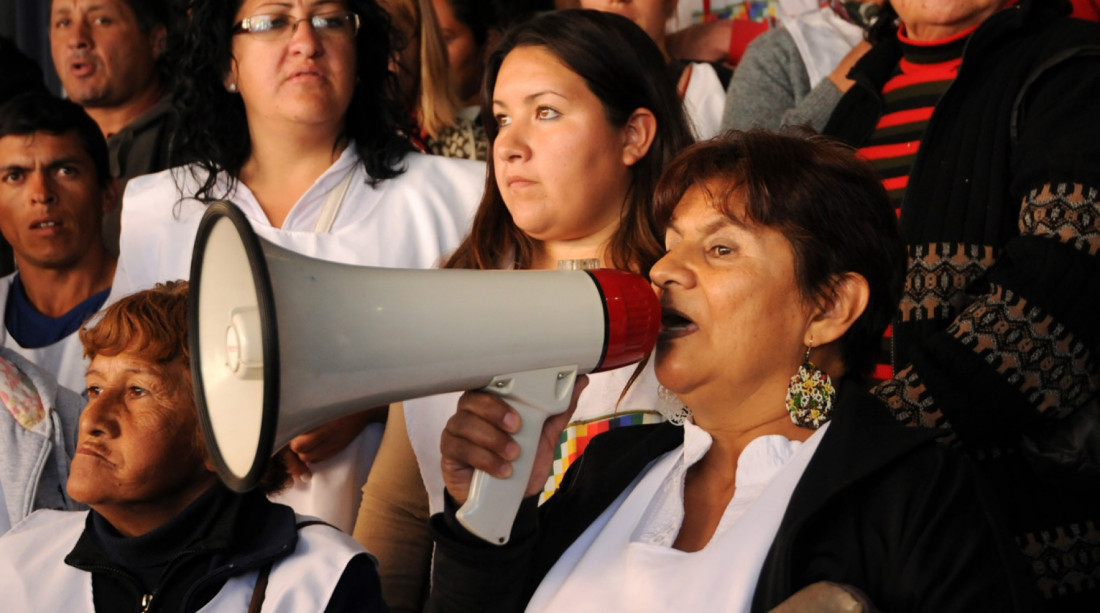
633,317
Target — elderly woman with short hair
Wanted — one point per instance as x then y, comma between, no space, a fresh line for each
163,533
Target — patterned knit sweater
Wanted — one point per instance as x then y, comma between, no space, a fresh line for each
996,339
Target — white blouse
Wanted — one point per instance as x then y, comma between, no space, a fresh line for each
624,561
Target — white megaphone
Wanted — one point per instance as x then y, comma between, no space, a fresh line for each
282,343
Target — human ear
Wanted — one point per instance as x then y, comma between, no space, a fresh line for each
838,310
159,39
110,195
230,79
638,135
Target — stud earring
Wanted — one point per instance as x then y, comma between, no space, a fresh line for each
232,87
810,395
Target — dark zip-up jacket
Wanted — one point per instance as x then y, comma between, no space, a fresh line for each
221,535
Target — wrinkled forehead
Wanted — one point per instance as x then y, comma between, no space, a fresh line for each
707,207
166,380
725,196
120,8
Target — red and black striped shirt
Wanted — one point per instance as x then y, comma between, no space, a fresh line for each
924,73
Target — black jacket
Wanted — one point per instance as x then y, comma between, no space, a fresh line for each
994,228
997,335
880,507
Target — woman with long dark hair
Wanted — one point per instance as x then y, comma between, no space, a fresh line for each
581,119
291,115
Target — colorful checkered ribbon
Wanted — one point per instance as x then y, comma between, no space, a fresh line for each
577,435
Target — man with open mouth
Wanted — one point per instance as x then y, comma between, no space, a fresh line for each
110,57
55,185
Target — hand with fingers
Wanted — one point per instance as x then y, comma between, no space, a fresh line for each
327,440
479,437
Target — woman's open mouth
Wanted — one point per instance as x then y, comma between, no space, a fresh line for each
675,324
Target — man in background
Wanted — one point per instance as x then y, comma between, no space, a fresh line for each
110,56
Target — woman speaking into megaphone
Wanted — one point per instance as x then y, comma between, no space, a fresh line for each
581,118
789,487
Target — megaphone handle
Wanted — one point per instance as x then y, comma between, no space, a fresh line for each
490,510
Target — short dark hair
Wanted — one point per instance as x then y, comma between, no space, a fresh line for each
623,67
213,125
41,112
150,13
828,204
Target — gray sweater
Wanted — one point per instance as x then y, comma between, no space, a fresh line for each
771,89
34,462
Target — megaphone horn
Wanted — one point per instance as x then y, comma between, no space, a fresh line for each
281,343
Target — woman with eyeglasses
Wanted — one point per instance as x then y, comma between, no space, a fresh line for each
289,109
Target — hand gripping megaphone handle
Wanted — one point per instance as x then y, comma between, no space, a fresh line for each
491,507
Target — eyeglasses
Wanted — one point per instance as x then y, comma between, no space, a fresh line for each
273,27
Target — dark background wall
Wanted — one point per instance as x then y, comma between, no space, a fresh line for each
26,22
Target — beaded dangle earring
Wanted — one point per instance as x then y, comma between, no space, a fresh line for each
810,395
670,407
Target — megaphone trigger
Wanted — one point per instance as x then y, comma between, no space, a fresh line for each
490,509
